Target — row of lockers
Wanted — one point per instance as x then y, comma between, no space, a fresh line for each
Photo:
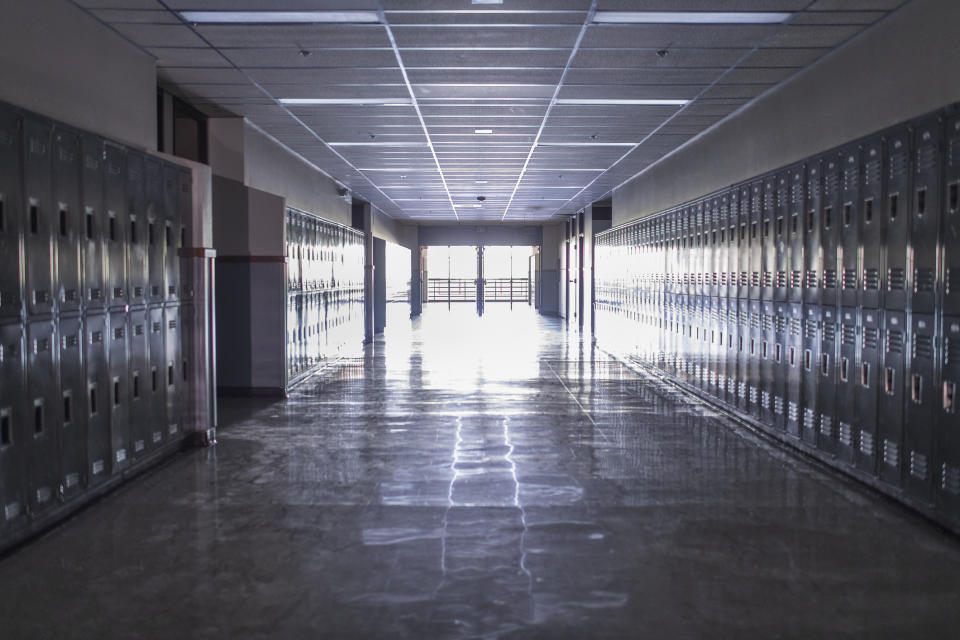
83,398
85,224
873,224
320,325
322,255
858,358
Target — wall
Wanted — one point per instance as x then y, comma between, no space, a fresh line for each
488,235
60,62
897,69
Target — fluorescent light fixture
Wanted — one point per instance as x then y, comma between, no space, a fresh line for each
483,130
468,206
279,17
480,181
690,17
486,1
382,102
377,144
586,144
618,101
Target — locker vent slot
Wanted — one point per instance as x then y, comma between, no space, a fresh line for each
849,334
898,164
810,329
952,349
157,436
894,341
755,279
846,434
778,405
871,279
809,419
98,467
44,494
121,455
867,443
918,465
793,412
923,280
891,453
829,331
781,279
766,400
826,426
950,478
849,278
926,158
871,337
796,279
922,346
11,510
767,322
795,326
768,278
71,480
138,446
743,278
754,395
829,279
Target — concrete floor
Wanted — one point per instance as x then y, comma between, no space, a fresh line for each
485,478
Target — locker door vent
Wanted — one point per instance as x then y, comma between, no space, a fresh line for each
918,465
796,279
809,420
891,453
952,350
871,279
894,341
829,279
829,331
896,279
778,405
826,426
871,337
950,478
793,412
922,346
923,280
849,278
849,334
846,434
811,278
867,443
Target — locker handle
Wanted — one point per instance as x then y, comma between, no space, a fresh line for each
865,375
93,399
67,408
34,219
921,201
894,201
844,365
949,392
6,428
38,416
888,377
825,364
916,388
868,210
827,214
807,359
952,196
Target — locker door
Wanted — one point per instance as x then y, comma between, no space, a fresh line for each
778,359
138,377
92,224
918,445
849,226
115,231
830,221
743,355
755,239
781,237
744,253
187,347
42,399
827,381
948,429
871,223
896,210
11,294
812,249
15,431
951,220
795,228
173,232
848,423
72,409
766,348
925,221
66,225
754,381
118,392
793,364
891,398
157,380
97,398
721,251
156,222
810,372
39,215
185,212
719,338
136,223
768,238
868,385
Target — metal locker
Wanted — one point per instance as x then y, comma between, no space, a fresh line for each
115,232
707,240
66,224
812,249
39,216
11,282
718,336
743,355
185,211
15,433
827,431
173,232
722,247
847,421
781,237
868,385
925,221
849,224
186,393
947,428
136,224
42,400
778,357
793,368
731,340
768,241
896,211
918,442
97,403
810,372
752,348
157,378
71,414
154,232
138,381
830,221
796,210
871,223
686,251
740,208
755,238
951,220
118,392
766,348
891,398
93,224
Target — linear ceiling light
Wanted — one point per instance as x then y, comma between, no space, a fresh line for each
618,101
279,17
483,130
690,17
380,102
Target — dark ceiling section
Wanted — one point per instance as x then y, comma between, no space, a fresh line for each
482,99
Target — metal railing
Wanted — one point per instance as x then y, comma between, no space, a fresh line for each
451,290
506,290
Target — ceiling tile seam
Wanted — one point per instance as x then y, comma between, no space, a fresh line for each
108,25
415,103
163,3
533,147
669,119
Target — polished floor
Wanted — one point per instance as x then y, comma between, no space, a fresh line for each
485,478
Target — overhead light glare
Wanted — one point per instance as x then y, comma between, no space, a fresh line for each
480,181
651,102
690,17
280,17
381,102
483,130
486,1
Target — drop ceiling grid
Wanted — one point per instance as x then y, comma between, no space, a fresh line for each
481,67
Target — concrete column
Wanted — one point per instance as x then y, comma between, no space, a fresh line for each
416,282
379,285
363,221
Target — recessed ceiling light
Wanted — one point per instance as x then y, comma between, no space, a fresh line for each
483,130
480,181
618,101
382,102
486,1
690,17
279,17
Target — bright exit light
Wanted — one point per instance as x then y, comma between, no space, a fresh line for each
279,17
690,17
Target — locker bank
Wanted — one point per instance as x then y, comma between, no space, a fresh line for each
479,319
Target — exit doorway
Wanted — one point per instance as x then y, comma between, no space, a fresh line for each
480,274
